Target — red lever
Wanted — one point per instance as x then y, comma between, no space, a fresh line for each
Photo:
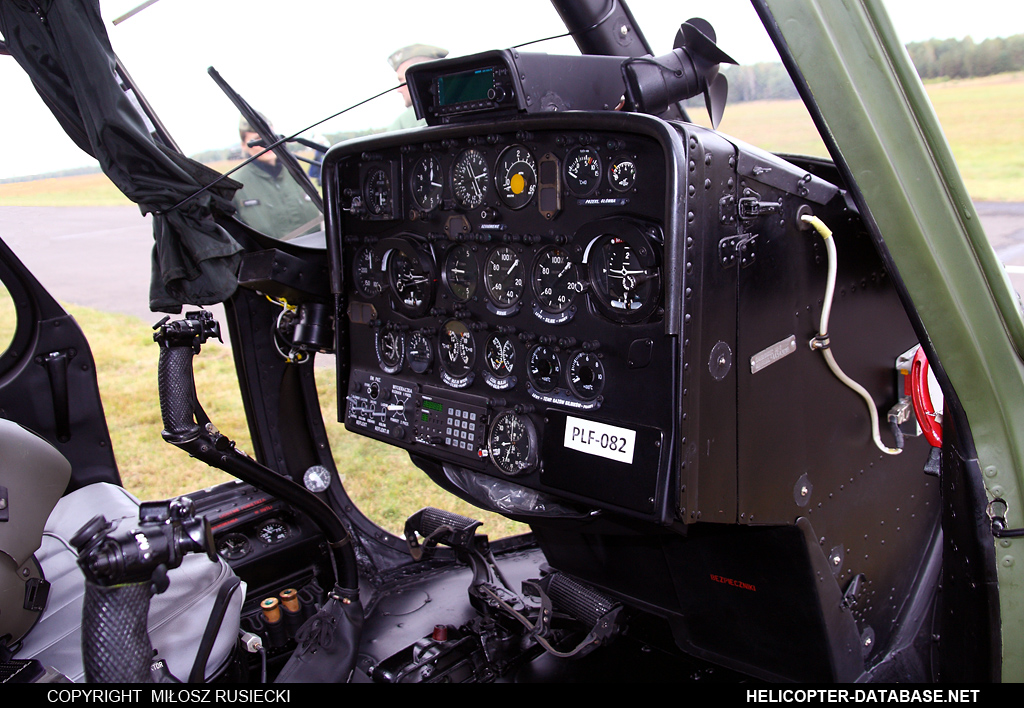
924,409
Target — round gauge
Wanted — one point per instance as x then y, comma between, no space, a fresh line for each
504,276
515,177
317,478
624,277
273,532
390,346
411,278
500,355
457,350
377,191
555,279
427,183
366,273
586,375
582,171
469,178
622,174
418,352
461,272
234,546
543,368
512,443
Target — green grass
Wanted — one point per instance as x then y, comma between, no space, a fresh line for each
982,120
379,478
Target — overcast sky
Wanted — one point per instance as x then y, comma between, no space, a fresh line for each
327,54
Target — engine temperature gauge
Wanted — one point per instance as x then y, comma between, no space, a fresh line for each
273,532
622,174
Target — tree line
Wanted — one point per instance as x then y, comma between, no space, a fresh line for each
933,59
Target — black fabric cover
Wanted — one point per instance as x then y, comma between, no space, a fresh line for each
328,642
63,47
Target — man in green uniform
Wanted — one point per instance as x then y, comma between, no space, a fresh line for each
402,60
270,201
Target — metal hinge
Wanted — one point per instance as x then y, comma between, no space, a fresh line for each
741,248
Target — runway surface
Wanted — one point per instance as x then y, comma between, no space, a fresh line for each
100,257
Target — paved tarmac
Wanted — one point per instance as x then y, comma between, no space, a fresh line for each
71,250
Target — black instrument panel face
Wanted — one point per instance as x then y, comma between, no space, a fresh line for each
494,284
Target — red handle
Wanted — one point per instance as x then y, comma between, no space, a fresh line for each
924,409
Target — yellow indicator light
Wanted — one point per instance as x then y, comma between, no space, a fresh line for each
517,184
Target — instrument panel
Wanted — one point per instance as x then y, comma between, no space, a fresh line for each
504,302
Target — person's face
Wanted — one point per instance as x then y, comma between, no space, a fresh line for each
269,157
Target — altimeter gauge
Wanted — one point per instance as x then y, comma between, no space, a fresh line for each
470,176
512,443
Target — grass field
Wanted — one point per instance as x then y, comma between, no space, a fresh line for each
379,478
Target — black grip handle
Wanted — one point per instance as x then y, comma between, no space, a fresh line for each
177,393
115,637
433,519
578,600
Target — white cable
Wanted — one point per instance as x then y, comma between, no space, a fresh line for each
821,341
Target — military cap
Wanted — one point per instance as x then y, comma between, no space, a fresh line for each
244,127
413,51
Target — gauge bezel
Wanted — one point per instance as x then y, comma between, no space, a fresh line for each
447,277
544,301
579,391
375,273
502,185
382,360
392,207
615,162
556,375
286,527
433,198
421,364
487,356
422,259
594,235
504,303
524,464
455,180
571,182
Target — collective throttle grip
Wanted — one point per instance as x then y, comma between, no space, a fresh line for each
180,341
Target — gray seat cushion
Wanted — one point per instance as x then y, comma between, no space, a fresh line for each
177,617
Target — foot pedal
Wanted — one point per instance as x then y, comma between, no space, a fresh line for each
562,593
436,526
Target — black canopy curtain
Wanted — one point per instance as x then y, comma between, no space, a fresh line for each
63,47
